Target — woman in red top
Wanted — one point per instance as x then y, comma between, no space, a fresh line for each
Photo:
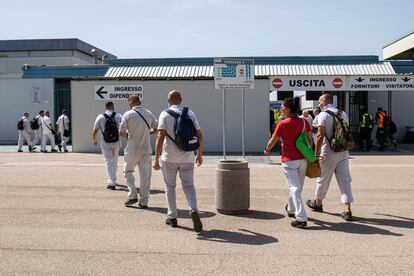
293,163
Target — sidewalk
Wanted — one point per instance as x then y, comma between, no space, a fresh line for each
57,217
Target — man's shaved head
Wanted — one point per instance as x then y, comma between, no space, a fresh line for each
174,97
326,98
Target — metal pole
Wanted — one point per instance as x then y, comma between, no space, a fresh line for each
243,122
224,124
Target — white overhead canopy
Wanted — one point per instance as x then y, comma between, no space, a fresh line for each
402,48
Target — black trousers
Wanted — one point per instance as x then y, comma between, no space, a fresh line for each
365,135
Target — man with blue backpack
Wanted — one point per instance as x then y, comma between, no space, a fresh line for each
108,125
179,135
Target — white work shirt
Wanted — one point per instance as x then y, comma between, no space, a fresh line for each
100,124
63,123
327,121
26,125
170,151
45,125
139,141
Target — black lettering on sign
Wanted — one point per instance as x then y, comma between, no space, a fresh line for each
307,83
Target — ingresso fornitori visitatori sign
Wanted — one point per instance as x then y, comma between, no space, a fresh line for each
230,73
341,83
117,92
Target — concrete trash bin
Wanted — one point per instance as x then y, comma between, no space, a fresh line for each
232,187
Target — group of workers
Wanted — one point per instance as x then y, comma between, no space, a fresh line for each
44,132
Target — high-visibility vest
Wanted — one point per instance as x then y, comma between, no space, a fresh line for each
381,117
365,118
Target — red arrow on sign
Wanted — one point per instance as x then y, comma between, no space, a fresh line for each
277,83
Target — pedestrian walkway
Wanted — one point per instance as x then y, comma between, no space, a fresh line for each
57,217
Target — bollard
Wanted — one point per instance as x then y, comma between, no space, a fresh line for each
232,187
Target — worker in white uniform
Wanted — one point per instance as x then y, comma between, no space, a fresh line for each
333,162
48,133
174,160
137,125
62,125
38,132
24,134
110,149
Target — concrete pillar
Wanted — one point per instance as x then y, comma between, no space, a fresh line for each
232,187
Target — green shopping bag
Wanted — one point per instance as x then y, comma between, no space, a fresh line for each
302,144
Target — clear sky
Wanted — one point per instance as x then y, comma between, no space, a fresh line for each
209,28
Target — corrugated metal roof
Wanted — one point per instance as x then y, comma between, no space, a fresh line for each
205,71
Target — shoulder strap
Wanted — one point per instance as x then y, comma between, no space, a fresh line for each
185,111
106,115
172,113
304,125
43,120
143,118
113,114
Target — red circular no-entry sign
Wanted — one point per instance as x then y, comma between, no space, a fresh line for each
337,83
277,83
241,71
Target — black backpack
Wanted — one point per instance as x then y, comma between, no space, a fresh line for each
110,133
20,124
186,136
34,124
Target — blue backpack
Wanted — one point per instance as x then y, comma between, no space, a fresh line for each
186,136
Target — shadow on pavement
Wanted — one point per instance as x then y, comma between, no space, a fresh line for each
362,225
254,214
180,213
125,189
243,237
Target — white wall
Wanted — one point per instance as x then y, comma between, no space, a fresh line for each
199,95
16,98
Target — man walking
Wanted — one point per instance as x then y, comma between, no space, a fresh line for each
381,121
38,132
62,125
137,125
48,133
333,162
365,129
174,159
23,126
108,125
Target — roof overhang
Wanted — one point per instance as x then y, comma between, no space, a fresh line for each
401,49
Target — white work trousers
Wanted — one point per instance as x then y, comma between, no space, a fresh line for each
48,136
338,163
23,135
186,172
143,161
63,140
294,172
38,137
110,152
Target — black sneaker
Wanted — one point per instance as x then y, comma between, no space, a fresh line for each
31,148
312,204
143,206
60,148
299,224
53,150
129,202
66,151
19,150
171,222
289,214
44,151
110,187
197,225
347,216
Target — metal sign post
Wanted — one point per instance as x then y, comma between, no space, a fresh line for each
224,124
231,73
243,122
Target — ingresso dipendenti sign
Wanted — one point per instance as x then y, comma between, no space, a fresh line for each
117,92
230,73
341,83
